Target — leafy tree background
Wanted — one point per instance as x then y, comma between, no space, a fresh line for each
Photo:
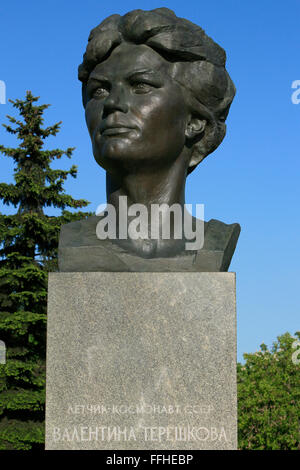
269,396
28,251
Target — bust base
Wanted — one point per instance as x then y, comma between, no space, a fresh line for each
141,361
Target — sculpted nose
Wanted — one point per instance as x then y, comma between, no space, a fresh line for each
116,101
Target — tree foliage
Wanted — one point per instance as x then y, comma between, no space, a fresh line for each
28,250
269,396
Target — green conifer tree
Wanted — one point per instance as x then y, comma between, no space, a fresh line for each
28,250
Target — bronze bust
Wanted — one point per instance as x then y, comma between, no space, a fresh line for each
156,96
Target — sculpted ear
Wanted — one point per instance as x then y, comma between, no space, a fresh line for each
195,127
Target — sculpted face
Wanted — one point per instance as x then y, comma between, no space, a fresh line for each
135,112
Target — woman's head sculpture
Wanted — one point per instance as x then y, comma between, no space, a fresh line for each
193,61
156,96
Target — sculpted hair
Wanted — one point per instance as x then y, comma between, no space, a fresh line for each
199,65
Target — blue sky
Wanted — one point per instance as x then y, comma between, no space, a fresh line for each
252,178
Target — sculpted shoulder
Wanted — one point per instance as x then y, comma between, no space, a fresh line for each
78,242
222,238
218,234
81,232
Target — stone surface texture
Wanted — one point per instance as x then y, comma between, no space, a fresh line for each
141,361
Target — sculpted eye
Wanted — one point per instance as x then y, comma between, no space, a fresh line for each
100,92
141,87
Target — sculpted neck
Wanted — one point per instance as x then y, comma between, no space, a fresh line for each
148,187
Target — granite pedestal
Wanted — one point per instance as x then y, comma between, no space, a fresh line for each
141,361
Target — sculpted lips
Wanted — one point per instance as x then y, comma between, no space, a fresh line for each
115,128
